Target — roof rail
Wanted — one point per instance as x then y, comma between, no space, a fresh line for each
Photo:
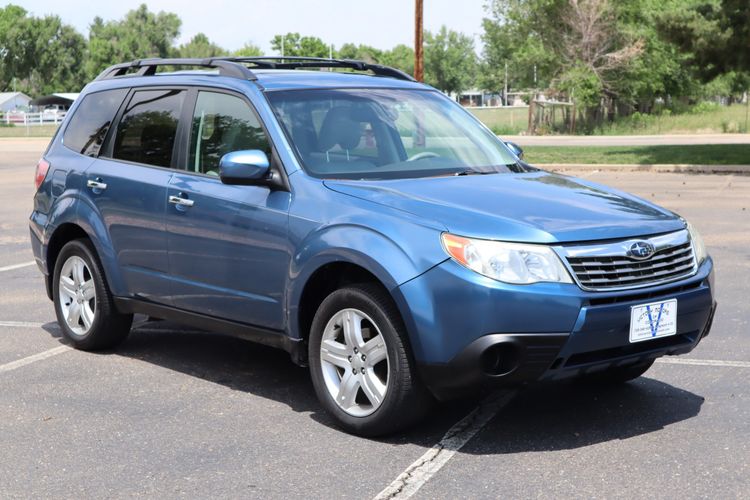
296,62
236,66
147,67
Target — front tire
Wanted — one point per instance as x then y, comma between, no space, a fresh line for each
83,303
360,363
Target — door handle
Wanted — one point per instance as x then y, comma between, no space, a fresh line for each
180,201
96,184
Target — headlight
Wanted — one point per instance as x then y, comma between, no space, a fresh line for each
515,263
699,248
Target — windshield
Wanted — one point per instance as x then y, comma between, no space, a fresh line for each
387,134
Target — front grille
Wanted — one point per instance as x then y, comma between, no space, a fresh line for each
608,267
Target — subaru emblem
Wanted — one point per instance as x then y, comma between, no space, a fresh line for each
641,250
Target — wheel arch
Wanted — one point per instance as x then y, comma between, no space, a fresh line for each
326,279
84,222
347,253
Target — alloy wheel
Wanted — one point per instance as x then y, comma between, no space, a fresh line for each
354,361
77,295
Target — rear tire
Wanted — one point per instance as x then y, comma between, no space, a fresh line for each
619,375
83,303
364,374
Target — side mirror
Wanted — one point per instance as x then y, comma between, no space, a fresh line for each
515,149
243,167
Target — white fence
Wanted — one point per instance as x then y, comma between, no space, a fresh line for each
24,119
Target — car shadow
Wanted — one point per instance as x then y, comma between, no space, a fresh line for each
543,417
251,368
570,415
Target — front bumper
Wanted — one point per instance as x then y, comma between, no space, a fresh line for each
467,330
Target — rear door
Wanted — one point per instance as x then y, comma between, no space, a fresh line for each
228,248
128,185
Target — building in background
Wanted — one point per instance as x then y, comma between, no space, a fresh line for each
10,101
61,101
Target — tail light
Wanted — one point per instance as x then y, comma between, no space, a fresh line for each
41,172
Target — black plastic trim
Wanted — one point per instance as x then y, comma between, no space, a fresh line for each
534,354
272,338
235,66
147,67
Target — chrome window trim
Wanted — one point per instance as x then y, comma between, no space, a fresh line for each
620,249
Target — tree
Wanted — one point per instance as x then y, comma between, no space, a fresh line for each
450,62
200,47
360,52
400,57
714,35
248,50
139,35
15,33
58,52
296,45
591,51
42,55
517,33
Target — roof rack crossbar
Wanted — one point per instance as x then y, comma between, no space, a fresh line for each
236,66
148,67
294,62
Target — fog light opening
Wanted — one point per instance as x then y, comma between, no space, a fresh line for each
499,359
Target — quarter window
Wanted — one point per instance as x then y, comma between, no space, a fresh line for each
88,127
222,124
148,128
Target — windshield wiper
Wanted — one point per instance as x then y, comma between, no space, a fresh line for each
470,171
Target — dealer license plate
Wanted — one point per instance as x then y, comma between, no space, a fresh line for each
654,320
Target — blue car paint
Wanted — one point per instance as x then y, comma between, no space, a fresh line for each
536,207
457,306
248,251
229,252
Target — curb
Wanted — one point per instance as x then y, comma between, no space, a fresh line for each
659,168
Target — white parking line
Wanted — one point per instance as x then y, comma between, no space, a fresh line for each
426,466
17,266
34,358
20,324
140,329
420,471
704,362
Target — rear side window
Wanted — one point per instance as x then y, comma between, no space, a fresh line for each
148,128
89,125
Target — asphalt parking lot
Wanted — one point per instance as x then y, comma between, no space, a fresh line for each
175,412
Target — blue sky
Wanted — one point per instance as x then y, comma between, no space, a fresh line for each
231,23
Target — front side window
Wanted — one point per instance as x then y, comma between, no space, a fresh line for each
89,125
387,134
222,123
148,128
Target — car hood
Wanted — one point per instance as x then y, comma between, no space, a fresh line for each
538,207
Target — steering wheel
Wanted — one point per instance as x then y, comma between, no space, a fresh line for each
423,155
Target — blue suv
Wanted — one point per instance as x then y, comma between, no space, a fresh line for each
359,220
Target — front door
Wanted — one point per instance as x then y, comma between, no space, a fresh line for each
228,250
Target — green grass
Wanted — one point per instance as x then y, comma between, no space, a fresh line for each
503,121
719,154
709,120
700,119
21,131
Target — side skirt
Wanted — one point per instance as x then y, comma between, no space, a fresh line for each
272,338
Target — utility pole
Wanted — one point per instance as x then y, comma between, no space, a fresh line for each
505,87
282,45
418,42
